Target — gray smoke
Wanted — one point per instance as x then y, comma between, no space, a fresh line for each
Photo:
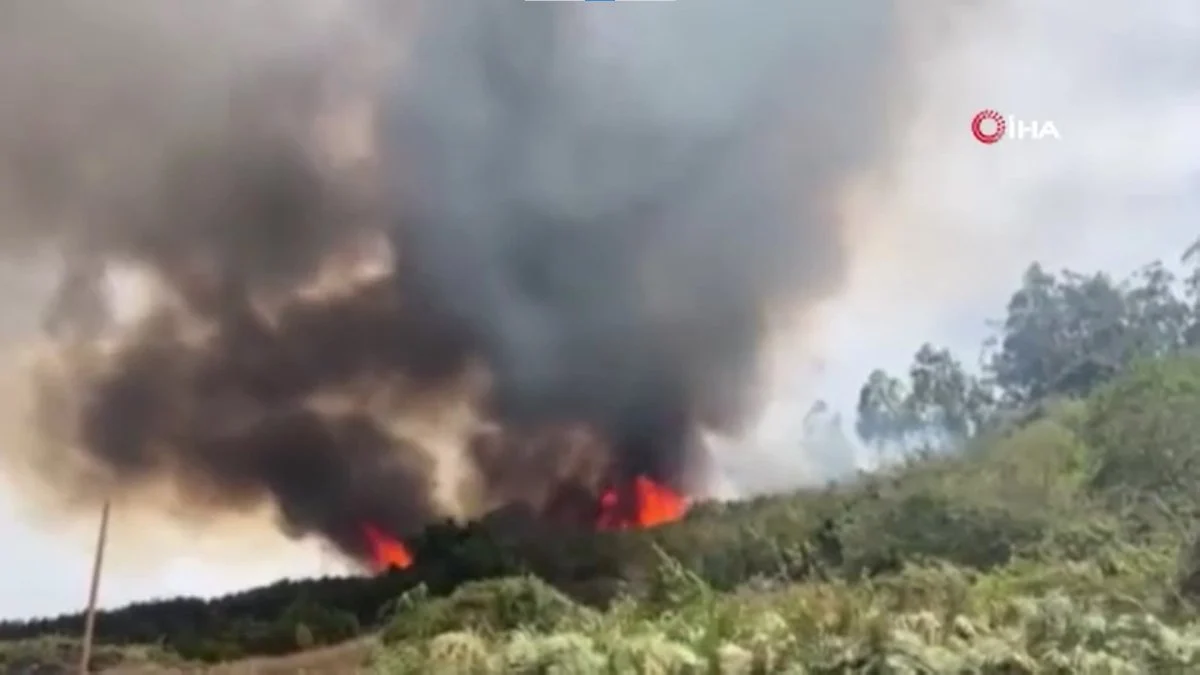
156,132
606,204
610,200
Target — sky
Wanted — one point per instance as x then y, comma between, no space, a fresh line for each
939,243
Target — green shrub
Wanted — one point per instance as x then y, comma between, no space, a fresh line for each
1145,434
486,606
930,619
54,654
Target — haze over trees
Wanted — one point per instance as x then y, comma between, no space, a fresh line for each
1062,335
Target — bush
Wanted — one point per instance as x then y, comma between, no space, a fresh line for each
1145,435
487,607
934,619
53,654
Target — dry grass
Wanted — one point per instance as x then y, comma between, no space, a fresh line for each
343,659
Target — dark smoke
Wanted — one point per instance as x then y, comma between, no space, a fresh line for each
605,205
595,202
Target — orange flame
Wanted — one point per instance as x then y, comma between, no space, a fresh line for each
645,504
386,551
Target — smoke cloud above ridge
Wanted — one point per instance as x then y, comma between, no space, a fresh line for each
601,209
597,203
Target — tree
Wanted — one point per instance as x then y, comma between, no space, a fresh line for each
1145,434
882,415
1191,285
825,441
1064,336
944,398
1162,317
940,402
1059,336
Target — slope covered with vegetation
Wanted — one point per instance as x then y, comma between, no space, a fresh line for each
1039,520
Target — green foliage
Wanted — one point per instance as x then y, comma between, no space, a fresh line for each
1145,433
925,619
941,402
484,607
53,654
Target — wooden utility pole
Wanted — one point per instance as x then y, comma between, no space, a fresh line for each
89,624
79,314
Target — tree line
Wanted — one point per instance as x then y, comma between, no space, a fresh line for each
1062,335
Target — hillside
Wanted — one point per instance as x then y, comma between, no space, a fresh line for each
1040,520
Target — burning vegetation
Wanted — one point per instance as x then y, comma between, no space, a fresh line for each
640,504
387,552
457,316
643,503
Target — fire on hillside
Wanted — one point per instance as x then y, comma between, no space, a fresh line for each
641,503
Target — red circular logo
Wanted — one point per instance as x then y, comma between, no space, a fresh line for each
982,119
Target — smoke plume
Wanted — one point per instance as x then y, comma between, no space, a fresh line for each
579,220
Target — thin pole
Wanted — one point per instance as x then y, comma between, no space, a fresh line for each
89,625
